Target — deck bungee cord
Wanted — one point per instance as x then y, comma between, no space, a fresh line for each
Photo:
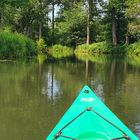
59,134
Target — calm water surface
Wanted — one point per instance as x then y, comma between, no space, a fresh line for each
33,97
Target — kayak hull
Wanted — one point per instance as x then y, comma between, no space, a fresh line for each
88,118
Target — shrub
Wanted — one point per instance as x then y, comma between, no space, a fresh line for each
15,45
59,51
133,49
41,46
101,47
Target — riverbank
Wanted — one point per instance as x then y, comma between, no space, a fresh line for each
105,48
101,48
59,51
15,46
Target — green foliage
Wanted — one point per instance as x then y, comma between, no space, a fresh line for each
71,27
24,16
133,60
133,13
133,49
6,29
104,48
84,48
99,48
41,58
59,51
119,49
41,46
31,18
115,14
15,45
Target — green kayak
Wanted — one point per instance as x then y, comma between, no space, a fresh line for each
88,118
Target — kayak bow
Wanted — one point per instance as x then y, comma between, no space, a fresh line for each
88,118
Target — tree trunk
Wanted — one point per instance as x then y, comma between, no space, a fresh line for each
126,39
40,30
89,18
114,27
53,22
25,30
47,16
88,32
118,32
40,22
28,31
1,19
114,33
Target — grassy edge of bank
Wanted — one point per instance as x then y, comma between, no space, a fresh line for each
100,48
59,51
104,48
14,46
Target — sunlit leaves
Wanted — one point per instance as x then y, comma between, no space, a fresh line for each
133,14
72,25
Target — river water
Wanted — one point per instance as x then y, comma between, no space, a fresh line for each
33,97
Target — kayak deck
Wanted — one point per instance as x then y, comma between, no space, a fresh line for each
88,118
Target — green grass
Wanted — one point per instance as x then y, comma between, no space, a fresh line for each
104,48
16,45
99,48
133,49
96,52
